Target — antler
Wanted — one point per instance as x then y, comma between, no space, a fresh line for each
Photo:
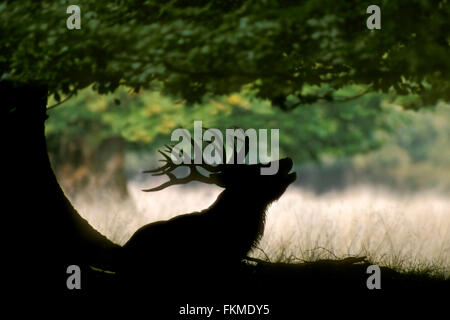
170,166
194,174
241,154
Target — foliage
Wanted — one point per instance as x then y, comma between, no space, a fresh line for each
146,121
417,154
191,48
414,156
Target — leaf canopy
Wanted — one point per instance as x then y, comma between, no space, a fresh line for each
146,121
197,47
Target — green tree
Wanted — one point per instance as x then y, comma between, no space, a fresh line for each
145,121
190,49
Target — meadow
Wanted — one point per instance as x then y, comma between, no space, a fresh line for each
408,232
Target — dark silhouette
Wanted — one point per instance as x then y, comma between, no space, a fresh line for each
214,241
48,233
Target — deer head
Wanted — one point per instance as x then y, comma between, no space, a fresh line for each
233,176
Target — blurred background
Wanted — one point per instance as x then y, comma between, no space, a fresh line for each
373,177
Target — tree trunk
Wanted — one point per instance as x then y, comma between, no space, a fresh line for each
44,233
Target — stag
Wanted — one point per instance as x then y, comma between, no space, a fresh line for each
218,237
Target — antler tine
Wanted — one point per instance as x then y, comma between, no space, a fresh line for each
194,175
223,157
186,161
242,154
169,166
204,165
194,144
172,178
160,187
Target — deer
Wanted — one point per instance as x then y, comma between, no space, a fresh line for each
218,237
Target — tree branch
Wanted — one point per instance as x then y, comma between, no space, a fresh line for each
61,102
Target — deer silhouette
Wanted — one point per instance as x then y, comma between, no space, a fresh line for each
218,237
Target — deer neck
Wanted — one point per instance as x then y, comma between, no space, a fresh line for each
238,203
240,213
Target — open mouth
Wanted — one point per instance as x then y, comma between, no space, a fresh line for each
292,176
286,166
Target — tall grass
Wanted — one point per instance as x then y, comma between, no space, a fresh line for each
409,232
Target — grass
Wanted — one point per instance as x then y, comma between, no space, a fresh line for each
326,287
310,259
407,233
